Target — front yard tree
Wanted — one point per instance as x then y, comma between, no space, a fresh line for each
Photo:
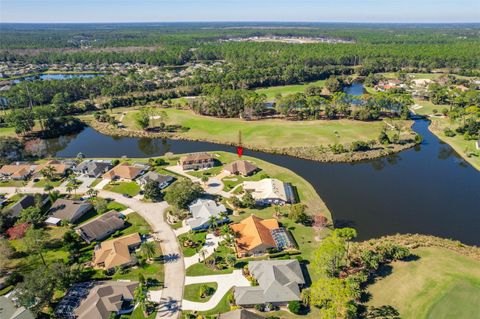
32,215
35,240
148,250
48,172
183,193
335,297
141,298
152,190
101,205
248,200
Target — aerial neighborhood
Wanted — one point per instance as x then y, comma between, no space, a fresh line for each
228,216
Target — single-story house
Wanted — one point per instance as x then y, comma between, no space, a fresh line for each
241,167
116,252
240,314
270,191
163,180
59,168
8,310
253,235
69,210
202,211
101,227
126,171
93,168
279,282
17,171
197,161
26,202
97,300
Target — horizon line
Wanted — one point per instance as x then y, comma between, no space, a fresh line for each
243,21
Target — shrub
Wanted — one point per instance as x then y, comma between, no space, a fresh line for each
295,307
448,132
359,146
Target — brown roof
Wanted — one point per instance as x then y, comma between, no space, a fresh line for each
116,252
196,157
105,298
102,226
253,232
58,167
241,167
69,210
15,170
123,170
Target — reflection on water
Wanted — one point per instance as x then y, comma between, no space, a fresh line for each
427,189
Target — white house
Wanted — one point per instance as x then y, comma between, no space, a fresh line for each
202,211
270,191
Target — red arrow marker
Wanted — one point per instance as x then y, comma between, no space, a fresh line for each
239,151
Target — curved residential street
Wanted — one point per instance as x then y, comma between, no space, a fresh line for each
172,293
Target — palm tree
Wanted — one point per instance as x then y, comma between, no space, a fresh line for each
213,222
204,180
203,255
69,189
48,172
230,260
73,182
141,298
227,233
92,192
148,250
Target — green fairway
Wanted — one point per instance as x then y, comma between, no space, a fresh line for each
440,284
270,134
271,92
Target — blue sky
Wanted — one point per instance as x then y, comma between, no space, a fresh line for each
239,10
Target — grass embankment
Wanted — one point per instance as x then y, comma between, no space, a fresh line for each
440,284
272,92
465,148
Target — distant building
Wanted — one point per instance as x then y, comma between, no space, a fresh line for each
93,168
279,282
8,310
126,171
97,300
116,252
202,211
241,167
101,227
197,161
270,191
69,210
163,180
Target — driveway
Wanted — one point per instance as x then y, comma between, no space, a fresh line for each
172,292
224,282
211,243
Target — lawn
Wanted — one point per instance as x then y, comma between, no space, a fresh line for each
440,284
192,292
230,182
222,307
7,131
129,188
135,224
272,133
12,183
43,182
198,237
138,314
271,92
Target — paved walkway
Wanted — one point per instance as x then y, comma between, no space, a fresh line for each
102,184
224,282
170,303
211,243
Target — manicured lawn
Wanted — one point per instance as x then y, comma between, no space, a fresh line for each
7,131
230,182
211,172
273,133
42,182
271,92
130,188
440,284
223,306
192,292
198,238
138,314
95,182
136,224
201,270
12,183
153,271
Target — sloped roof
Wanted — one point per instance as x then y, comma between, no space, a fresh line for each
254,231
278,281
97,228
202,210
8,310
268,188
240,167
196,157
123,170
67,209
105,298
156,177
58,166
240,314
116,252
24,202
16,170
93,167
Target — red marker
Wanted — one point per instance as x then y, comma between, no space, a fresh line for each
239,151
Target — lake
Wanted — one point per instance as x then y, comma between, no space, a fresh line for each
429,189
58,76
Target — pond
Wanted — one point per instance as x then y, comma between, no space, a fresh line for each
429,189
58,76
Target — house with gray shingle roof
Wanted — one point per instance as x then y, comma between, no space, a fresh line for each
163,180
93,168
279,282
101,227
202,211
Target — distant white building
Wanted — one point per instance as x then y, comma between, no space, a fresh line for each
202,211
477,144
270,191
